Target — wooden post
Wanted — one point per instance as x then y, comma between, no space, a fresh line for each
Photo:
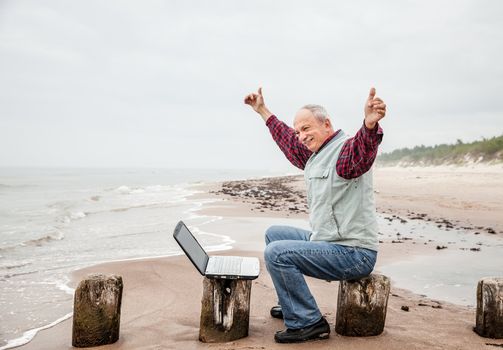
489,318
97,311
361,306
225,310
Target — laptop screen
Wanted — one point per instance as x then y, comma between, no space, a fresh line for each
191,247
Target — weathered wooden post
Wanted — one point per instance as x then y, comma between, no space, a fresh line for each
361,306
97,311
225,310
489,318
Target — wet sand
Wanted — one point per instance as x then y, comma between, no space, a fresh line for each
161,301
466,197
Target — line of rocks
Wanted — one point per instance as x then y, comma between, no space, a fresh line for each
441,223
267,194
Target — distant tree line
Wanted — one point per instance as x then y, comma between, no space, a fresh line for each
483,151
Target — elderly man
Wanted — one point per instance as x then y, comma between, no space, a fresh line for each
343,241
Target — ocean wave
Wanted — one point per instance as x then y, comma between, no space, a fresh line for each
175,194
56,236
15,266
72,216
35,242
153,205
10,275
149,189
164,203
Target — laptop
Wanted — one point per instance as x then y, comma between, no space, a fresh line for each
228,267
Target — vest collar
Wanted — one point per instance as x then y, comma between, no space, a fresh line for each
329,139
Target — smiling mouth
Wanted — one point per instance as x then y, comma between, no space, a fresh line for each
309,140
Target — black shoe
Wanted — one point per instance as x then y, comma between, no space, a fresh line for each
276,312
319,330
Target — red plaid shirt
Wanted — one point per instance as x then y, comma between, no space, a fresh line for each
356,158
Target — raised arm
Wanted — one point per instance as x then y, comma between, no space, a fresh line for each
359,152
283,135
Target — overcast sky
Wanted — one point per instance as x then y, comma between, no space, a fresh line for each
161,83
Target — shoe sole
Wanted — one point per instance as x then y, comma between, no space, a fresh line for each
320,336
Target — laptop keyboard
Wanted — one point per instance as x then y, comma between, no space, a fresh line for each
226,264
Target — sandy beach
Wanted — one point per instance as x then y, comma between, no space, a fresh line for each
161,301
471,197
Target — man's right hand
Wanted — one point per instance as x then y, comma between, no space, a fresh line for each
256,101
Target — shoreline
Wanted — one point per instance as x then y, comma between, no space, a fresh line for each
234,210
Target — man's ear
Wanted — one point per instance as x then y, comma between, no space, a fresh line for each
328,123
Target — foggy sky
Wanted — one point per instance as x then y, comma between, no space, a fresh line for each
161,83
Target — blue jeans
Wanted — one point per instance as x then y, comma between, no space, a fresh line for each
289,255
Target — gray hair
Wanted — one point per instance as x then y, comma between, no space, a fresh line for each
318,111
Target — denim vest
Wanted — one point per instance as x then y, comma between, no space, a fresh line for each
341,211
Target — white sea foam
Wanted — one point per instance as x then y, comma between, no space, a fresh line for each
29,335
63,286
123,189
77,215
71,216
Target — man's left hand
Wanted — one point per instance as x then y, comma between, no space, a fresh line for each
375,109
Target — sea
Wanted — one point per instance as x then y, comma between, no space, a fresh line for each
55,221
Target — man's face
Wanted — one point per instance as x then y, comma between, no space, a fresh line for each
311,131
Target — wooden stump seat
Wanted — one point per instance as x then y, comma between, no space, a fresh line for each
225,310
361,306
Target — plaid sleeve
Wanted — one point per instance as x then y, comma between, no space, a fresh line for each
359,152
288,142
